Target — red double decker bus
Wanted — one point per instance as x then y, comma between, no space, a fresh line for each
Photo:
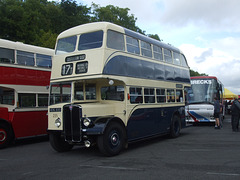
24,79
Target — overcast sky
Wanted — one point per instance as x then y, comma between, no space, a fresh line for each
207,31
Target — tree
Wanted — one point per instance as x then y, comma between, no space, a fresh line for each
195,73
38,22
115,15
73,14
11,13
154,36
23,20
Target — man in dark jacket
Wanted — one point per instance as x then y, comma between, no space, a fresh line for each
216,113
235,110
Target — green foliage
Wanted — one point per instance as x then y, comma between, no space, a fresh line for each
195,73
115,15
39,22
73,14
154,36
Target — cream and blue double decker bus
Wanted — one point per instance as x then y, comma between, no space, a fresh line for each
111,86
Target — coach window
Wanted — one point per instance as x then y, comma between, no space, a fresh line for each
90,40
78,91
25,58
6,96
157,52
146,49
161,96
167,56
176,58
112,93
43,60
136,95
7,56
60,93
132,45
170,95
42,100
115,40
149,95
27,100
90,91
179,95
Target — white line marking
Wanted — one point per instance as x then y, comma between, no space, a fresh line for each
223,174
112,167
194,150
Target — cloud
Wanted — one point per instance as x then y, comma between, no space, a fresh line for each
207,15
227,44
214,62
206,31
204,56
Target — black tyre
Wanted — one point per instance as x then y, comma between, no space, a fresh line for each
6,136
113,140
58,143
175,126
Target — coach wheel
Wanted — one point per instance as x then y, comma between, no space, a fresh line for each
175,126
113,140
5,136
58,143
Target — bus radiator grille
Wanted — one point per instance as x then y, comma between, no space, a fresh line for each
72,123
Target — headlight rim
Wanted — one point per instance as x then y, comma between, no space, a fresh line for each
87,122
58,122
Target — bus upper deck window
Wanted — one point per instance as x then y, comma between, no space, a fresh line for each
25,58
43,60
7,55
167,56
146,49
115,40
157,52
66,45
183,60
132,45
176,58
90,40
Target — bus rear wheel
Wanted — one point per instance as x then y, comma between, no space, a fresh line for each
112,142
58,143
175,126
5,136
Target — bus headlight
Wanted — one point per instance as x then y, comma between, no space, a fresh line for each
58,122
87,122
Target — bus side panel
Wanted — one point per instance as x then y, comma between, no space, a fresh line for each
133,67
147,122
30,123
4,113
13,75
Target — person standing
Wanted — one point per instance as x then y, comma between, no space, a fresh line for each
216,113
235,109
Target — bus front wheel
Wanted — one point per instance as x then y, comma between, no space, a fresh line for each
113,140
175,126
58,143
5,136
